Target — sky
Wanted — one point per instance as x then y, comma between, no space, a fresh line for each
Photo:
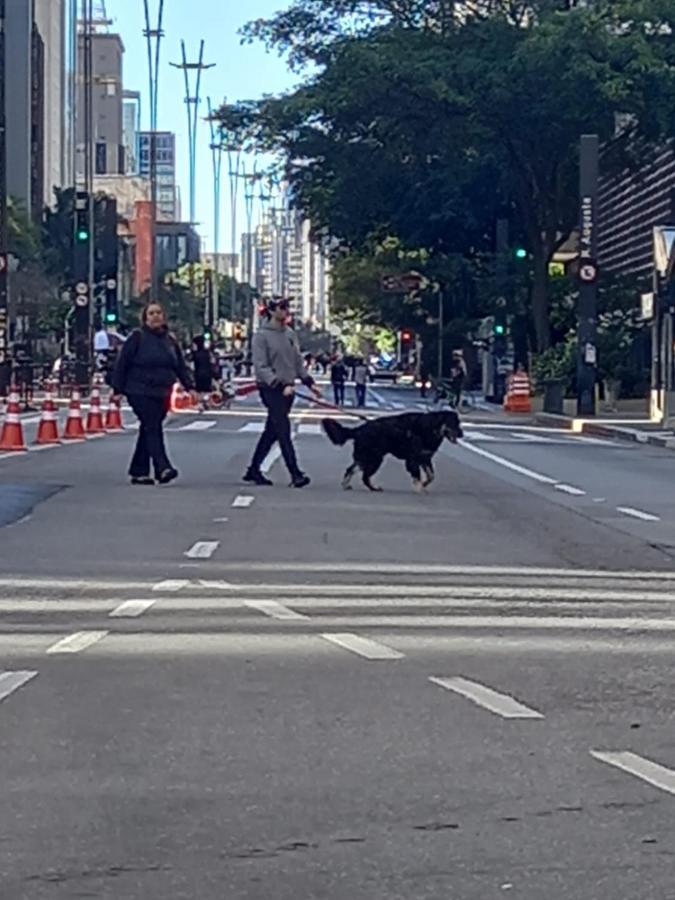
241,72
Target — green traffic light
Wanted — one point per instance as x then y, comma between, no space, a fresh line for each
521,253
111,317
82,235
499,329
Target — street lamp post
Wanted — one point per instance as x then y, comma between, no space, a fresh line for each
4,256
153,34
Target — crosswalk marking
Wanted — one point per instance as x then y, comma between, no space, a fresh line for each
171,585
202,549
199,425
274,610
472,435
310,429
12,681
253,427
131,609
363,646
501,704
243,501
77,642
651,772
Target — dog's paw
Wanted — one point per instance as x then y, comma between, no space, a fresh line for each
346,487
419,487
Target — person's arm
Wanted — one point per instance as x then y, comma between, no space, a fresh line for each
264,372
124,363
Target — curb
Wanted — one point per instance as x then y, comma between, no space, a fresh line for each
598,429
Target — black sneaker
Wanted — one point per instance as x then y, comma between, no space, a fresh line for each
167,475
301,480
145,479
256,477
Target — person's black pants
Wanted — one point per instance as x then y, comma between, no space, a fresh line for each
151,412
339,392
360,394
277,428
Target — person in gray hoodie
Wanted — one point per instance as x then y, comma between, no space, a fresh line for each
278,364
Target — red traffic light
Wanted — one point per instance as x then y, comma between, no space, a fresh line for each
406,335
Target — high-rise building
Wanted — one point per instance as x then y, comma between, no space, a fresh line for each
132,127
165,150
108,131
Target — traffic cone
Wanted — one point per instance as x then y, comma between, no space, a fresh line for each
74,430
12,429
95,416
113,418
48,429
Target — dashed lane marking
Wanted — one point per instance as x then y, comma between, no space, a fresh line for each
570,489
243,501
131,609
651,772
12,681
638,514
501,704
77,642
202,549
362,646
199,425
274,610
507,464
171,585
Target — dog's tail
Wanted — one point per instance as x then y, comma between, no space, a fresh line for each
337,434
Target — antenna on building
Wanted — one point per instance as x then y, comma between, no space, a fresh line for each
99,18
192,101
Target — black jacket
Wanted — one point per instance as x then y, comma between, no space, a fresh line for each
150,364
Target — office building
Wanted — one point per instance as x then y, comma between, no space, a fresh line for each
131,106
108,130
165,147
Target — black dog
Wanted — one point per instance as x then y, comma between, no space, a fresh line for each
411,437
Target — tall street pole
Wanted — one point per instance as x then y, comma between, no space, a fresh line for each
587,308
4,256
153,37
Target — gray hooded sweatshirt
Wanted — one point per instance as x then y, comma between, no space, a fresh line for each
276,356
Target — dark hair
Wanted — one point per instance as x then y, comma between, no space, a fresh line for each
199,341
144,311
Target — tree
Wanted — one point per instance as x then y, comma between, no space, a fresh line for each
418,124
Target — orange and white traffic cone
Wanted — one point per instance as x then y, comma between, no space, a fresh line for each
95,416
113,418
48,429
12,430
74,430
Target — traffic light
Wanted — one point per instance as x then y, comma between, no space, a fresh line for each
82,234
111,318
499,329
521,253
406,336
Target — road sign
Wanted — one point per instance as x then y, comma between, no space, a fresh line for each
82,288
588,272
81,299
647,305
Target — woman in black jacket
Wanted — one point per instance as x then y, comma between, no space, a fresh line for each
148,367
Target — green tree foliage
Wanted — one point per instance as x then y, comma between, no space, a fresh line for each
419,123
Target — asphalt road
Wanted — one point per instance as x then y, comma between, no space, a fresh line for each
216,692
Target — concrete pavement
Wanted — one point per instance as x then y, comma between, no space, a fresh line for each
318,694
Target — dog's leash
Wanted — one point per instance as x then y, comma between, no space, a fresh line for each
331,406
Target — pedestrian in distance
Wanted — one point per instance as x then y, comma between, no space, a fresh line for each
338,377
204,366
360,382
278,364
149,365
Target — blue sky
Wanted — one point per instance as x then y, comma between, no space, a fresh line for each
241,72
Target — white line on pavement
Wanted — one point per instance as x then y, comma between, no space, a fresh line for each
310,428
531,438
479,435
243,501
74,643
269,460
274,610
202,549
501,704
171,585
131,609
638,514
514,467
651,772
570,489
221,519
199,425
253,427
362,646
12,681
217,585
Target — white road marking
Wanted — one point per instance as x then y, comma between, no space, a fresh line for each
222,519
171,585
202,549
199,425
570,489
362,646
253,427
479,435
12,681
501,704
74,643
243,501
651,772
130,609
270,459
514,467
274,610
638,514
310,429
217,585
532,438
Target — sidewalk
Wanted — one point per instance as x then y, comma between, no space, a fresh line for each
637,429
